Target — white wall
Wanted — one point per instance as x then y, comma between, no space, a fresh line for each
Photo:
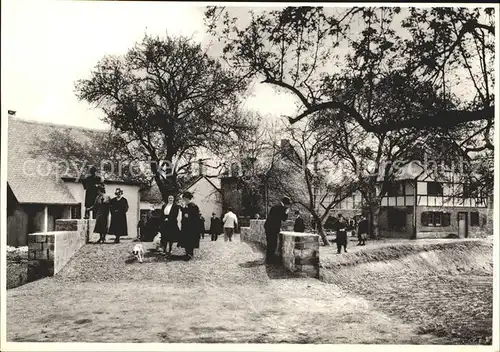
207,198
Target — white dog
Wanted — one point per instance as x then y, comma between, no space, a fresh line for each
138,252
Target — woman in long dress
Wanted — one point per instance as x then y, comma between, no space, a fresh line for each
190,225
119,208
101,211
170,229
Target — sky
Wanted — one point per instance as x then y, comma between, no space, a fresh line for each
48,45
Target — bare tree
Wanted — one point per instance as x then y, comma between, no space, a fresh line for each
305,173
326,57
168,98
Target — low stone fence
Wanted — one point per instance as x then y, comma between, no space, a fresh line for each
49,252
299,252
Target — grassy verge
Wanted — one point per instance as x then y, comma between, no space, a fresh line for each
444,287
17,270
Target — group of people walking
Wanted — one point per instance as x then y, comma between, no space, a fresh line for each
101,205
180,221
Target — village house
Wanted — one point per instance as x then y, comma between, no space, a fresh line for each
207,195
36,195
421,204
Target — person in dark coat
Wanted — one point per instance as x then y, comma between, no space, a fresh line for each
215,227
272,226
299,225
341,229
190,232
90,184
170,228
101,210
141,228
362,231
202,226
119,208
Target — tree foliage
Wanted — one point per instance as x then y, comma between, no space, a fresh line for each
168,98
330,58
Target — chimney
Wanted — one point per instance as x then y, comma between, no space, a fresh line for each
200,167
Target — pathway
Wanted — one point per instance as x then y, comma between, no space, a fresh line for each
225,294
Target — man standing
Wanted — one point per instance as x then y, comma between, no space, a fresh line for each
299,225
90,185
362,231
215,227
119,208
190,225
230,224
202,226
341,229
277,214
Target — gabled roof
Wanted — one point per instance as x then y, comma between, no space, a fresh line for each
29,185
198,179
25,156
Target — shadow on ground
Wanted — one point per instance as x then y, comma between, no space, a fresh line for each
273,271
153,255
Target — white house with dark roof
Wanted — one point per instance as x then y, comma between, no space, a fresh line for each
38,196
207,195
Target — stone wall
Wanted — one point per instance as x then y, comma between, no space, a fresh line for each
300,253
256,234
49,252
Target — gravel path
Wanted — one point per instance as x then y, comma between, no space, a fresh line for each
225,295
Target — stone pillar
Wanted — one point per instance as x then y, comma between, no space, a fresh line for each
300,253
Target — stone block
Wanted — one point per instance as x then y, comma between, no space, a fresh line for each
40,238
306,261
308,271
306,245
36,246
67,224
41,254
310,253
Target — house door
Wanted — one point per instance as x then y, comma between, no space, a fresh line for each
462,225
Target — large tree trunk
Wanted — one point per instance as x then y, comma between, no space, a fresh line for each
167,186
375,219
321,231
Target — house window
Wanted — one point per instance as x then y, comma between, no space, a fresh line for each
474,218
76,212
435,219
434,189
395,189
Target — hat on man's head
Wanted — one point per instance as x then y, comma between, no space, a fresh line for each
286,201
